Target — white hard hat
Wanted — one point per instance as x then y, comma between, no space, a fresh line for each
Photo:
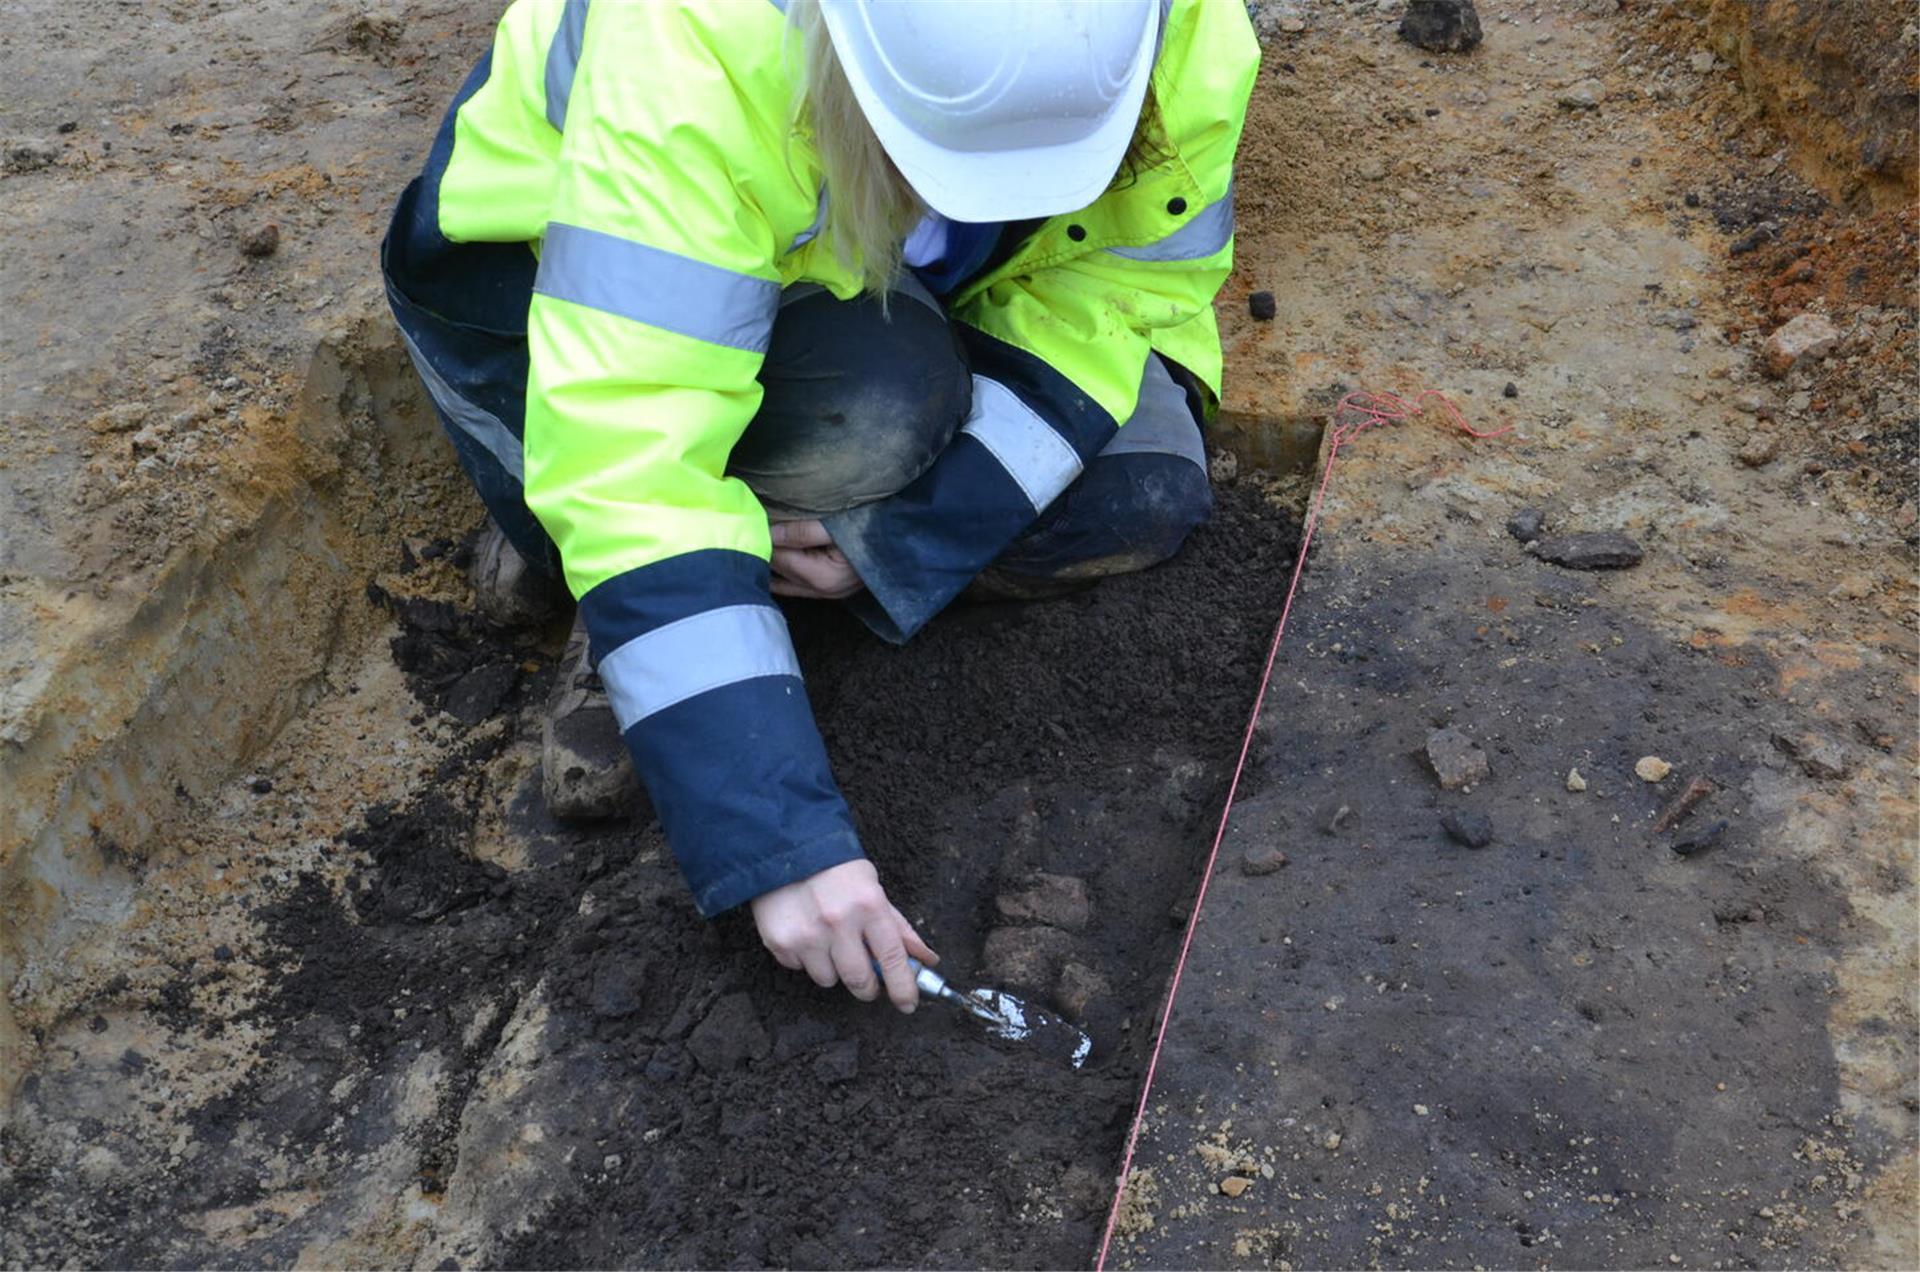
999,110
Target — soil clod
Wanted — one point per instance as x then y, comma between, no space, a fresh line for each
1262,860
1457,762
1441,26
1603,550
1468,827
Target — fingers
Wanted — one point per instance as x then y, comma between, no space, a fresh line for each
824,572
820,966
884,940
800,534
914,945
855,967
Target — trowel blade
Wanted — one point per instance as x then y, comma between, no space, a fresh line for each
1008,1017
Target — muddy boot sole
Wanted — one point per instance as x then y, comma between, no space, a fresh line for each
586,772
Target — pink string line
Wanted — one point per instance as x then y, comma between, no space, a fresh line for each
1356,413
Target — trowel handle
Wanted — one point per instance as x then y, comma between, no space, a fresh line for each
930,982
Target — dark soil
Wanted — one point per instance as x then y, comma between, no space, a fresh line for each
718,1111
1596,1038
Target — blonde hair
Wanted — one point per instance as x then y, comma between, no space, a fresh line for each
870,206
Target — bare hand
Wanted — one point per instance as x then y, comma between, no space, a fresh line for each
806,564
836,925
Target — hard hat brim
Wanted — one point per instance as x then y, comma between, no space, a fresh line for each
1010,185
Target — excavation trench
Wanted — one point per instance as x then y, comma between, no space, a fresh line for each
481,1035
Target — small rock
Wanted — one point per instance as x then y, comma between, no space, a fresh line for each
1441,26
1691,199
1262,861
1583,95
1511,390
1697,841
1465,826
1808,337
1456,761
1702,63
1651,768
1293,26
1526,524
1818,756
1336,817
1575,782
1056,900
1080,990
1759,449
1603,550
261,786
1234,1185
262,240
1370,168
122,418
837,1062
478,694
1332,1141
730,1035
28,154
1262,306
618,988
1024,958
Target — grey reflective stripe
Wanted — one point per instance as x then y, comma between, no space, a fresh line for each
563,59
482,426
1040,461
1161,423
1205,233
687,658
660,288
812,232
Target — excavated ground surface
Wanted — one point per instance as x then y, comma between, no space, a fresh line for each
617,1082
297,972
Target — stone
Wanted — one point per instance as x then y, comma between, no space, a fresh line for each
260,241
1511,390
1262,861
1024,958
478,694
1698,841
1702,63
1758,450
1807,337
1441,26
1370,168
618,988
1262,306
1456,761
837,1062
1465,826
1818,756
1081,989
1586,94
1234,1185
1575,782
1526,524
1600,550
1056,900
729,1036
1651,768
27,154
123,418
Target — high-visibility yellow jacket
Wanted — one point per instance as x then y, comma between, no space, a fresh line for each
646,151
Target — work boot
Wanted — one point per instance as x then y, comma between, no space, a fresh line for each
996,584
506,588
586,773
